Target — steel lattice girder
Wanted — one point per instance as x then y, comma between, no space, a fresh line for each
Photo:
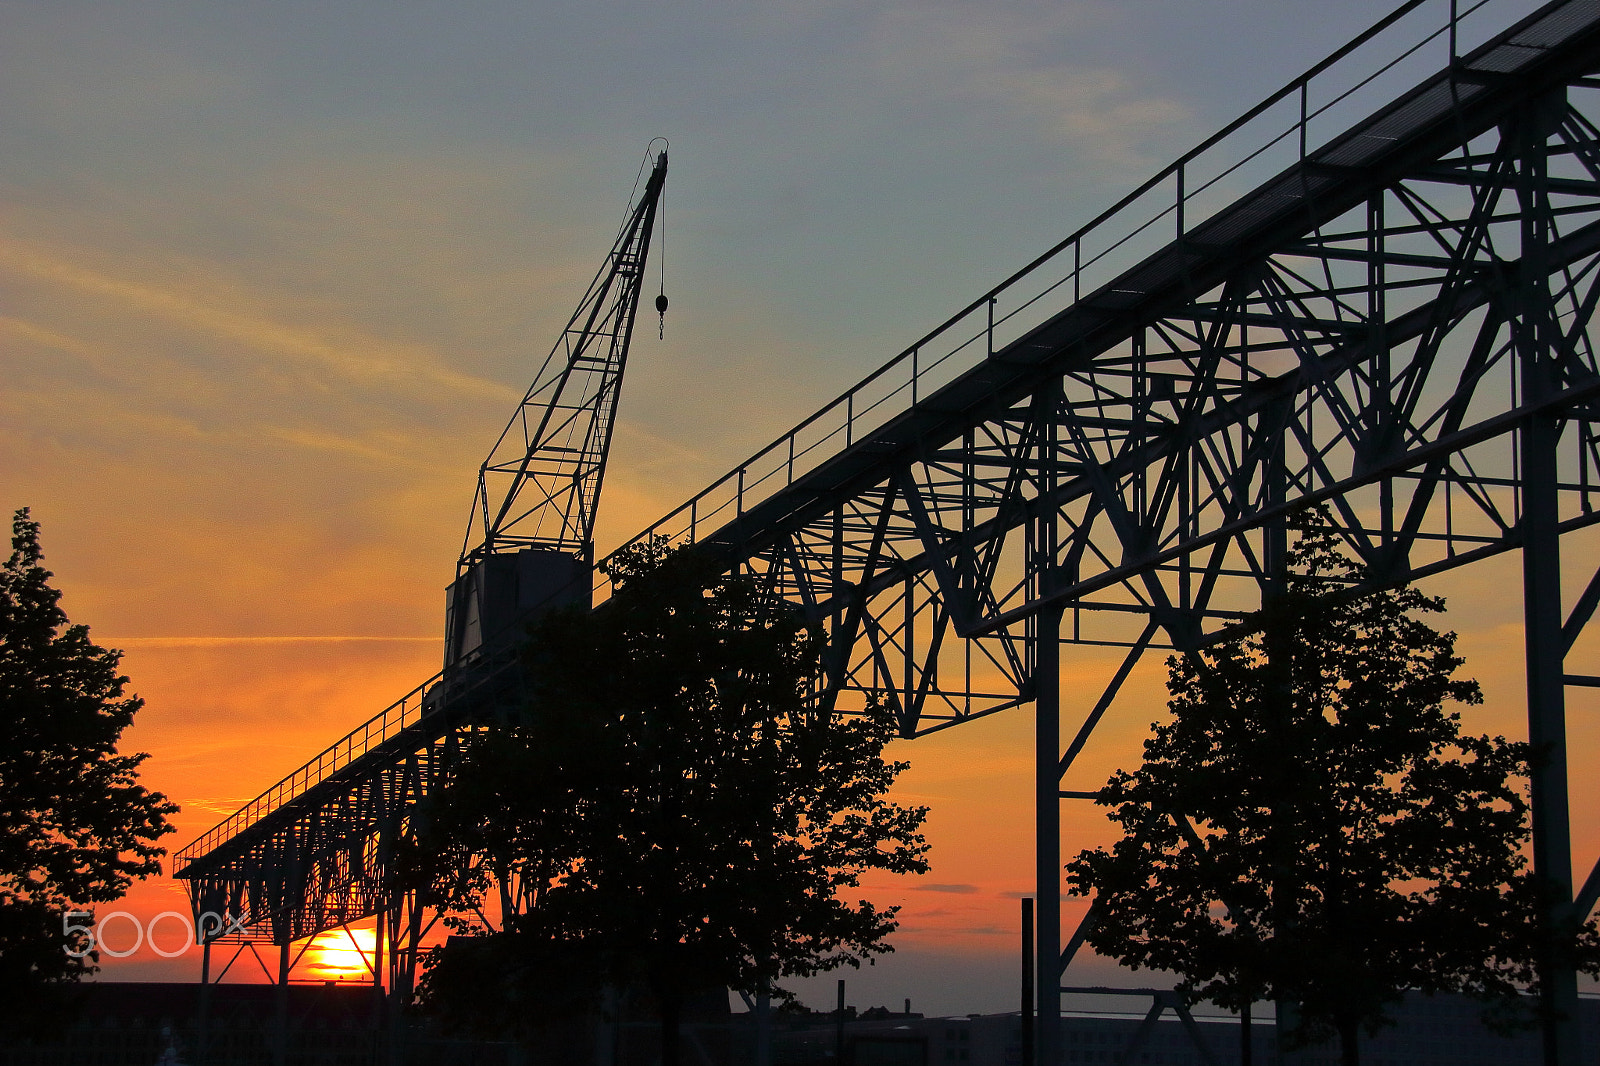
1371,361
327,858
330,865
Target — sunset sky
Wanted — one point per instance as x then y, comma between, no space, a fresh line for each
272,276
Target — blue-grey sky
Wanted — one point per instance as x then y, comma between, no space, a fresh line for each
272,276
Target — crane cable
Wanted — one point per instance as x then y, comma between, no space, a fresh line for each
661,295
661,217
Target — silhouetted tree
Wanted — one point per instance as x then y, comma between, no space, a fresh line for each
1311,825
675,805
76,827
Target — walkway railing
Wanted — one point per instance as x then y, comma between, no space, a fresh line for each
384,725
1418,39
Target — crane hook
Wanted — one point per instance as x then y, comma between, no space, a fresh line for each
661,309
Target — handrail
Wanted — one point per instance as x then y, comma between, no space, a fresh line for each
873,399
387,723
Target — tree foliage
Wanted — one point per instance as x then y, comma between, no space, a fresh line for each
76,827
1311,825
674,801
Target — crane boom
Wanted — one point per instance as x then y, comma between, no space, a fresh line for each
529,542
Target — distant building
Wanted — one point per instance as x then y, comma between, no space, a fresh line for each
142,1023
129,1024
146,1024
1429,1031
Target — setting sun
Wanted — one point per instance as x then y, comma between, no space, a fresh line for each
342,955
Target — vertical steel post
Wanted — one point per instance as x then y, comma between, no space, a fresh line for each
1047,754
1047,828
1027,982
1548,724
205,998
377,969
280,1043
1547,728
838,1032
405,975
382,1037
1536,337
1274,584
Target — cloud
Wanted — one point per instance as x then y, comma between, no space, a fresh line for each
216,642
359,358
47,338
988,930
221,808
959,890
1018,62
384,448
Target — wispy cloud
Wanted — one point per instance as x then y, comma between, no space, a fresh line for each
212,642
1019,62
211,805
358,358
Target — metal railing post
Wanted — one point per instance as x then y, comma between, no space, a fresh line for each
1305,118
1179,203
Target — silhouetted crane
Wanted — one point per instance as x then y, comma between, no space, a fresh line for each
530,539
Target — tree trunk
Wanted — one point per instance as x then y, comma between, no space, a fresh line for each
670,1003
1246,1044
1349,1043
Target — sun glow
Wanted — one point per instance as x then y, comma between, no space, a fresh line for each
342,955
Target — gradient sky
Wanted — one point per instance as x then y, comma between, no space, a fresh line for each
273,275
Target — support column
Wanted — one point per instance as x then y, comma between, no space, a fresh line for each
1536,335
1047,841
202,1052
1547,729
1046,636
377,972
280,1041
1028,984
838,1030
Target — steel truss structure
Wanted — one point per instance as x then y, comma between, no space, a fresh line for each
1397,324
540,485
